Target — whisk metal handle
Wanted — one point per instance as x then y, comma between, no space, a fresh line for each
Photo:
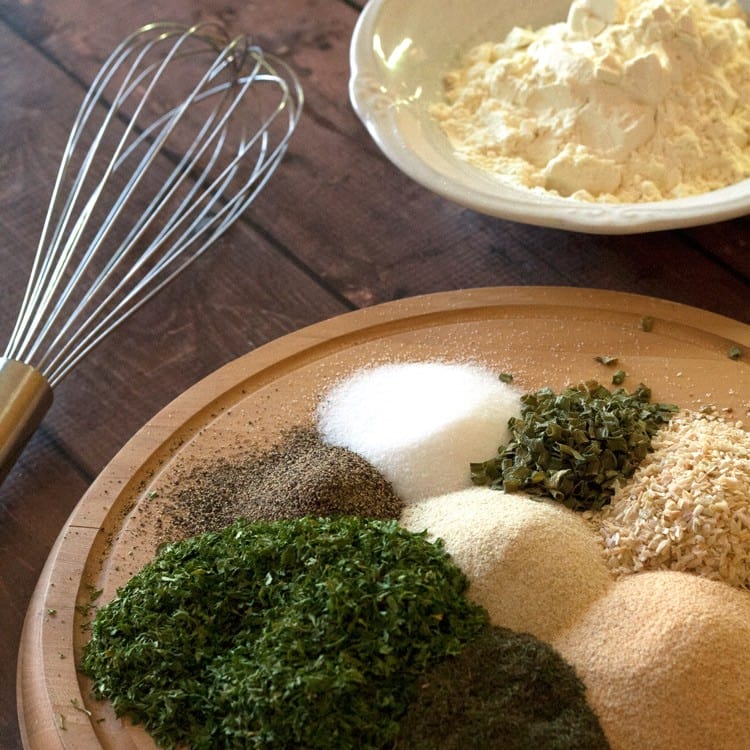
25,397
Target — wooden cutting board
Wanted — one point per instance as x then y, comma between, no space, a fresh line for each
545,336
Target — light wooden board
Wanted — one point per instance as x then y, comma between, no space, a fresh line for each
545,336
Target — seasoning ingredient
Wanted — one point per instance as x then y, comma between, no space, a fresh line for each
420,423
505,690
304,633
665,657
636,100
534,565
574,446
298,476
687,506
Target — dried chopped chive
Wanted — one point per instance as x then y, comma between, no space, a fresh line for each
646,323
734,352
505,377
574,446
605,360
304,633
618,377
78,707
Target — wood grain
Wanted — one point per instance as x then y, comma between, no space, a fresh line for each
372,248
545,336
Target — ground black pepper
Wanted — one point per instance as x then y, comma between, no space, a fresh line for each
298,476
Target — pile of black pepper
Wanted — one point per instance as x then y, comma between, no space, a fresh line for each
298,476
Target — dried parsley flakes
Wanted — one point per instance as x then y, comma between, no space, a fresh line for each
575,445
304,633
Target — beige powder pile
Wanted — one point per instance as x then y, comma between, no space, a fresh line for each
665,657
628,100
533,564
687,507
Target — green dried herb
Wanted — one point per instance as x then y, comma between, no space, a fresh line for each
505,377
575,446
618,377
606,360
646,323
734,352
505,690
305,633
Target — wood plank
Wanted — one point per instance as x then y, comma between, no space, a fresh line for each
371,233
729,241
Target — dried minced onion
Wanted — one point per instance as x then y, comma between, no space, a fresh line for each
687,506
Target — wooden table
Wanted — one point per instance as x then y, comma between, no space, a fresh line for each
336,229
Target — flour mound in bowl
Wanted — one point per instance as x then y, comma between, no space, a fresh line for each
629,101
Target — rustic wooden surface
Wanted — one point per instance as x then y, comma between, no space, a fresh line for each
336,229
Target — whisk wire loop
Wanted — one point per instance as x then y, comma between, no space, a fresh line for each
87,277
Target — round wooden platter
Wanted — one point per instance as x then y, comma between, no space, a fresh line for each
545,336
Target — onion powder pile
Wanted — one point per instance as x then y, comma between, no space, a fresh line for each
665,657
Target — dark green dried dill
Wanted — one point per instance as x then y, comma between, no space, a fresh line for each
304,633
505,690
734,352
574,446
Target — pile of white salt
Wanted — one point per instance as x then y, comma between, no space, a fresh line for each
665,657
421,424
535,565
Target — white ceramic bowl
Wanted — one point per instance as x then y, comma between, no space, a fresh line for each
400,51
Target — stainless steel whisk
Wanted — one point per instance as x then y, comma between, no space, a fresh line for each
180,130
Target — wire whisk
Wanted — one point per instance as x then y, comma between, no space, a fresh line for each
179,132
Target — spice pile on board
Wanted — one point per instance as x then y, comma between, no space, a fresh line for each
687,506
533,564
420,423
665,657
300,475
524,563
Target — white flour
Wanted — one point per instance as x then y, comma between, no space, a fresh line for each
637,100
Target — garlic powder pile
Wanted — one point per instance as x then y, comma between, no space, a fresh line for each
630,101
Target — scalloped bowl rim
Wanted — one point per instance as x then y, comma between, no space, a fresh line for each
392,103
